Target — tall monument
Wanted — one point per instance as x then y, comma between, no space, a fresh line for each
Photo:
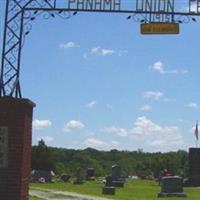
194,163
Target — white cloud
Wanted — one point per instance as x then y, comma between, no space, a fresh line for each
99,144
73,125
115,130
146,108
156,136
47,139
94,143
144,126
98,51
150,135
193,105
115,143
91,104
192,130
41,124
157,143
68,45
193,7
101,51
160,68
153,95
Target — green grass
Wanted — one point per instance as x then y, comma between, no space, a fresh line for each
34,198
134,190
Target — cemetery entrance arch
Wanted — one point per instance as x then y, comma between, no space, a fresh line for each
155,17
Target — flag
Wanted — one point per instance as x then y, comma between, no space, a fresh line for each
196,131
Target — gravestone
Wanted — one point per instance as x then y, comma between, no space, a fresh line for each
36,175
90,174
117,180
172,186
194,167
110,190
114,182
116,172
109,181
79,179
119,183
65,177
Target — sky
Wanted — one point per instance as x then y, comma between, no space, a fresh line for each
97,82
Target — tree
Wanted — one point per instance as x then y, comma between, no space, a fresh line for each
131,162
42,158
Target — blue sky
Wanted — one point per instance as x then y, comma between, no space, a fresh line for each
98,82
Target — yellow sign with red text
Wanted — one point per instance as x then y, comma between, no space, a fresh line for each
159,28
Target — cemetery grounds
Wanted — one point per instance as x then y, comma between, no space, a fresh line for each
133,190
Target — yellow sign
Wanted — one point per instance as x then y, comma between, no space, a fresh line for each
160,28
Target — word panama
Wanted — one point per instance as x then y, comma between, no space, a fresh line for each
95,4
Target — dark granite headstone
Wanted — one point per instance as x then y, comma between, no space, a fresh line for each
194,167
114,183
36,175
79,179
65,177
116,172
90,174
108,190
172,186
119,183
109,181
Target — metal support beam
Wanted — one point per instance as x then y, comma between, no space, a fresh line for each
16,21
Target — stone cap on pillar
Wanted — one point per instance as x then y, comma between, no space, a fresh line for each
194,149
11,100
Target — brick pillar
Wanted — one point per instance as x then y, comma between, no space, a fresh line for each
15,147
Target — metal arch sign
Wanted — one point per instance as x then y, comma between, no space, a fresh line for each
155,16
153,6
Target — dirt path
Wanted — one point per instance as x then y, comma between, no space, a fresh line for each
59,195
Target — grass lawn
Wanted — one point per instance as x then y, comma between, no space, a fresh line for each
133,190
33,198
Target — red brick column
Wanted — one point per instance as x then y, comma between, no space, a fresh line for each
15,147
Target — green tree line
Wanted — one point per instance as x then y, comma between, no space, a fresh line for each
132,163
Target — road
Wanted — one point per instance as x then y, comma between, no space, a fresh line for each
59,195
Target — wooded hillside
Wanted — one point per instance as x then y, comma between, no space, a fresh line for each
138,163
